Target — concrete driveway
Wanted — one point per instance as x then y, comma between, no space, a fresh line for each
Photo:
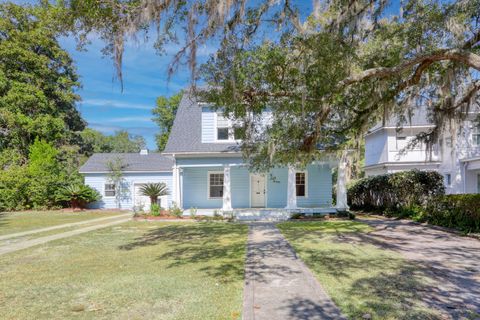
452,261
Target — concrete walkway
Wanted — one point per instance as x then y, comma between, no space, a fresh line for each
61,226
277,283
30,243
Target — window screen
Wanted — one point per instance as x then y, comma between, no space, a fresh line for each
216,185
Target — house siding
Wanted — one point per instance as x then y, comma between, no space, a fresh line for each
195,186
98,181
208,125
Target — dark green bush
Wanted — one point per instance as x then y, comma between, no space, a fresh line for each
460,211
393,192
77,196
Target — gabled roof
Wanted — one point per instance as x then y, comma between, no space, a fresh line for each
186,134
134,162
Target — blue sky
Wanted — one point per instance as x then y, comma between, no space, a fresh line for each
105,107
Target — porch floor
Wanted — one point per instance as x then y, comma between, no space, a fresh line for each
265,214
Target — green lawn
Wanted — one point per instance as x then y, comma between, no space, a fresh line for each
136,270
361,278
25,221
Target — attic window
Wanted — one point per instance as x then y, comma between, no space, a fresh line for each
222,128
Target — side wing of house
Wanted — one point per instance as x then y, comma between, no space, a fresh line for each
139,169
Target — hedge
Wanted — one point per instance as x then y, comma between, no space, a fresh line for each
460,211
395,191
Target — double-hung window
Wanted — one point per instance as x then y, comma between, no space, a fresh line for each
476,136
226,129
215,185
223,128
109,190
301,184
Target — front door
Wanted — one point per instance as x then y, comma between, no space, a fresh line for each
257,184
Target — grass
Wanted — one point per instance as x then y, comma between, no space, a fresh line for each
136,270
24,221
361,278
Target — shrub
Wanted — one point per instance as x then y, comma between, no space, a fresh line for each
345,214
460,211
77,196
393,192
296,215
14,183
155,210
176,211
193,213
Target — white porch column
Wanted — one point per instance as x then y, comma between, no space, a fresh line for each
291,190
342,203
176,186
227,192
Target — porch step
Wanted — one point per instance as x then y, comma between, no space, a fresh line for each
262,215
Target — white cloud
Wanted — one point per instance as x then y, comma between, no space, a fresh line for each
128,119
115,104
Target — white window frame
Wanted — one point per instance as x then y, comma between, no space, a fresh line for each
208,184
105,190
305,172
230,128
476,132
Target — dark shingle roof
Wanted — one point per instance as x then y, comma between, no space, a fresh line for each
152,162
186,134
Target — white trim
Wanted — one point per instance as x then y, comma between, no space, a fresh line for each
402,163
208,184
114,190
265,198
195,154
401,127
306,184
230,130
211,165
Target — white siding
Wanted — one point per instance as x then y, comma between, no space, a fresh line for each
98,181
208,125
375,147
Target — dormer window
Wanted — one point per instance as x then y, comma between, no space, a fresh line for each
222,127
225,129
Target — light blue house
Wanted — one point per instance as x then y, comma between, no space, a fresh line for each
204,169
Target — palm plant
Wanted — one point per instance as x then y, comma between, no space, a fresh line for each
154,191
77,195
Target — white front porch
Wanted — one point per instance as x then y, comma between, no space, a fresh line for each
227,185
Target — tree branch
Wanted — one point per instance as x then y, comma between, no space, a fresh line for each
468,58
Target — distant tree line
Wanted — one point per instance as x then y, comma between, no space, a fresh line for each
43,137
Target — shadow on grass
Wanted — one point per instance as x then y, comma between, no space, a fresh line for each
218,247
387,285
3,219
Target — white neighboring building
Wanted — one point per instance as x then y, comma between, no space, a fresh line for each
456,156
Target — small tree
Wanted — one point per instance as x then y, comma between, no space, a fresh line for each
115,177
154,191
